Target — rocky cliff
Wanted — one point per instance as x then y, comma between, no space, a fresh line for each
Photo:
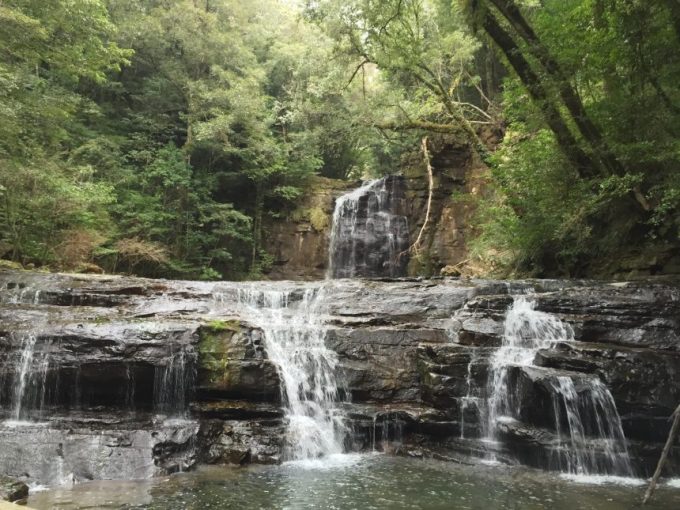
131,378
299,242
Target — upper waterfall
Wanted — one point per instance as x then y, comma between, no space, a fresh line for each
370,236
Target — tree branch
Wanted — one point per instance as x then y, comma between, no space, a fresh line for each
415,247
356,71
432,127
664,455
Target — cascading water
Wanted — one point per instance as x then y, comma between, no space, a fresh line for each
593,423
30,377
294,335
472,399
526,331
368,236
589,412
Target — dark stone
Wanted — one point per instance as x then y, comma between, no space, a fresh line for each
12,490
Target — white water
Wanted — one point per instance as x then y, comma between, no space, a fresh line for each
593,422
345,230
604,480
589,410
294,335
172,381
526,331
368,238
19,294
29,379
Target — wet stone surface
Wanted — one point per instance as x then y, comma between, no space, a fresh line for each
131,378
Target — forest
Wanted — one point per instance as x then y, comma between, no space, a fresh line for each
157,137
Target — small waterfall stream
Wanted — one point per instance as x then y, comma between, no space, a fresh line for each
526,332
29,379
172,383
586,418
369,237
294,335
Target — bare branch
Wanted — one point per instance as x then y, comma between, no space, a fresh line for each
415,247
356,71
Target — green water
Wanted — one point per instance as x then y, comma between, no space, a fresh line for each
356,482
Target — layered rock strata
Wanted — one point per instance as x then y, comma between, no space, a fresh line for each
132,378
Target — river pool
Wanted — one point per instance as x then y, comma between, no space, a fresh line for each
363,482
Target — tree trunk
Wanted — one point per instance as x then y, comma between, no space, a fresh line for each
664,455
568,94
257,223
415,247
604,157
565,139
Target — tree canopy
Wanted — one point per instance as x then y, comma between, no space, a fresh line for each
159,136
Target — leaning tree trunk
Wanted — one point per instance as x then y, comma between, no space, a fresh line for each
568,94
565,139
664,455
603,159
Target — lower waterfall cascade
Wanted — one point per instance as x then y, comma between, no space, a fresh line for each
584,419
294,336
30,379
124,378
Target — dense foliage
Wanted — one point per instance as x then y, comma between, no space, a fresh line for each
154,136
159,136
588,170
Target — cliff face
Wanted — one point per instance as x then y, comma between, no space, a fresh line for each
299,243
459,181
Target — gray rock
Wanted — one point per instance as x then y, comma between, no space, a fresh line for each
413,355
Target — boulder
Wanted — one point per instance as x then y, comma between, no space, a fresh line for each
12,490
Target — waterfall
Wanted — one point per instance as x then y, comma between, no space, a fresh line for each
526,331
589,411
29,380
294,337
368,236
592,422
471,400
172,381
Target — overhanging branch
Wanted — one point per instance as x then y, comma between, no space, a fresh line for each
432,127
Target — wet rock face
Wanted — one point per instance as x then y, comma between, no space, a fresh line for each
129,378
97,445
299,242
233,364
459,178
369,234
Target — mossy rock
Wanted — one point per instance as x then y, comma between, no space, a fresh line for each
217,348
9,264
223,325
319,219
316,216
